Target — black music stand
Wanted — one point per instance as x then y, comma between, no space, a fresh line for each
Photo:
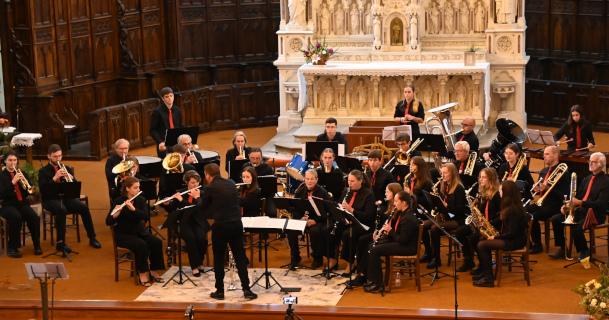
45,272
346,164
288,204
325,204
150,169
171,135
182,276
436,202
268,186
234,169
313,149
432,142
171,182
63,191
148,187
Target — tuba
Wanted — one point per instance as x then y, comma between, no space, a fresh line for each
552,181
173,163
442,115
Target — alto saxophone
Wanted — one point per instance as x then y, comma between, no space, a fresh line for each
477,220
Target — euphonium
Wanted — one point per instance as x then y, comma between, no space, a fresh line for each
471,163
519,164
173,163
552,181
478,221
63,169
24,183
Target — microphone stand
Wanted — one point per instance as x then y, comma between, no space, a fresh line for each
436,272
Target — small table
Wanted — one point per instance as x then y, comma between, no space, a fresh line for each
26,140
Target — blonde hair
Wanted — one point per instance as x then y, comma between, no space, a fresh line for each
493,181
237,134
455,181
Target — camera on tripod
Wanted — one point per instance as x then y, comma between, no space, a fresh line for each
290,300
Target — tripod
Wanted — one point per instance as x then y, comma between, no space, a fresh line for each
182,277
290,314
267,275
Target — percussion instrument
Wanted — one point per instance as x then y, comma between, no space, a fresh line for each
297,167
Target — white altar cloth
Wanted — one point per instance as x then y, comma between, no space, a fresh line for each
25,139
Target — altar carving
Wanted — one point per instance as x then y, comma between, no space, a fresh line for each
397,32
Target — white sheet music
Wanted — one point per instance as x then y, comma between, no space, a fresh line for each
541,137
296,225
263,222
314,206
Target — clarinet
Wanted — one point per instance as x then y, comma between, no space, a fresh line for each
379,232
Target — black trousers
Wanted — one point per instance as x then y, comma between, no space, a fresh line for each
469,238
318,234
195,237
559,229
350,241
69,206
230,233
432,240
375,274
544,212
15,215
146,247
363,256
485,254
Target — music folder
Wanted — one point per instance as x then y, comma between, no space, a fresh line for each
234,169
339,214
432,142
313,149
435,201
48,270
346,164
268,224
171,135
64,190
268,185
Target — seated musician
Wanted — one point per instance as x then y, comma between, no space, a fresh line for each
166,116
467,134
330,177
451,217
132,171
358,200
552,201
418,180
193,224
16,207
316,225
399,236
48,178
590,203
330,134
249,193
166,190
577,129
379,178
121,149
384,210
462,156
130,230
519,174
410,111
513,234
192,156
239,151
257,162
488,202
401,157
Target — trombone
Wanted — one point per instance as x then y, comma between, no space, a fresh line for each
552,181
471,164
519,164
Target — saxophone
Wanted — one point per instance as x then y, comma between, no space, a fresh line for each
477,220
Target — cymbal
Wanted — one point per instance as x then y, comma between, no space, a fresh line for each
122,166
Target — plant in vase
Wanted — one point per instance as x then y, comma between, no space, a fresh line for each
470,56
595,295
318,53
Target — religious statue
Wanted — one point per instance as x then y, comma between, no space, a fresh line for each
505,11
354,19
479,18
367,20
461,96
427,95
359,96
414,32
376,26
339,20
449,18
327,94
463,18
434,19
397,32
296,9
324,19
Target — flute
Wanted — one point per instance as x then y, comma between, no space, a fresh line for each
173,196
120,207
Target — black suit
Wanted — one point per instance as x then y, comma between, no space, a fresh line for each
15,211
379,180
159,124
365,211
231,154
333,181
60,208
466,179
131,233
317,232
222,201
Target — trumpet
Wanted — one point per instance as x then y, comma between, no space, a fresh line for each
519,164
23,181
173,196
241,151
328,169
190,153
64,170
121,206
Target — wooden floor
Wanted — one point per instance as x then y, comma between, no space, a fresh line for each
91,273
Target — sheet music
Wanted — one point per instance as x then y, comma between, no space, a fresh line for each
314,206
52,270
541,137
263,222
296,225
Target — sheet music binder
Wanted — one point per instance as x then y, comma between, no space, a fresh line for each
267,224
63,190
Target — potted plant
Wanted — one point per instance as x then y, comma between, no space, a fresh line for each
318,53
469,56
595,295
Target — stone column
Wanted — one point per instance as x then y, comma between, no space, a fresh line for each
342,96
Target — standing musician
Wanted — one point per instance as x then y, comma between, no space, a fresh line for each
193,225
48,178
399,236
330,134
358,200
507,170
577,129
590,203
551,203
239,151
384,211
249,193
165,116
418,181
462,157
379,178
222,201
410,111
317,225
488,202
452,193
330,177
15,206
130,230
257,162
191,155
121,149
401,158
513,233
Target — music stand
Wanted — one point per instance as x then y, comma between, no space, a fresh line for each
148,187
171,135
432,142
268,186
436,202
150,169
182,276
63,191
313,149
545,138
234,169
346,164
45,272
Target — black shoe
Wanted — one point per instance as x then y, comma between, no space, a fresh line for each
196,272
316,263
345,274
475,271
535,249
37,251
218,295
61,246
478,276
247,294
466,266
357,282
14,253
373,288
484,282
434,263
425,258
94,243
558,254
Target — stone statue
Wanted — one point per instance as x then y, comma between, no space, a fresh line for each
327,93
339,20
449,18
354,19
461,96
505,11
359,96
414,32
296,10
397,32
427,95
463,18
479,18
367,20
324,19
376,26
434,19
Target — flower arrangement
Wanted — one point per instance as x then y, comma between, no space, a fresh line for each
595,295
318,53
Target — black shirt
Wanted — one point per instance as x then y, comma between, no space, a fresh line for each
456,204
571,133
514,230
523,175
379,181
262,169
493,206
129,222
231,154
112,161
7,190
339,137
45,181
466,179
221,200
303,193
400,111
333,182
556,197
471,138
250,202
363,205
405,230
598,199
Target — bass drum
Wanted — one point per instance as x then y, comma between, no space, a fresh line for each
296,169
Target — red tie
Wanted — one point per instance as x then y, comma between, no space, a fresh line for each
462,137
589,188
170,119
190,199
352,199
547,174
373,178
397,223
461,167
578,137
412,184
309,194
17,190
486,209
407,109
509,172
